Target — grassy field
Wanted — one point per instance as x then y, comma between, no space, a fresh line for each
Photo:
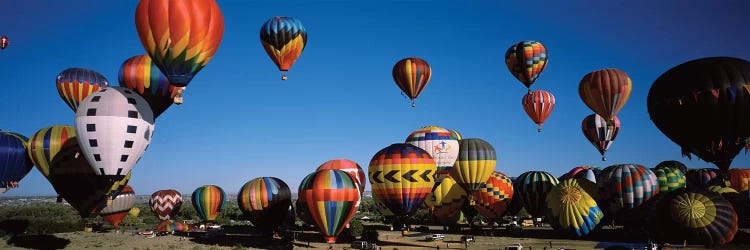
533,238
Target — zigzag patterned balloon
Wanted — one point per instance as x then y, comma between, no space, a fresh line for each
165,203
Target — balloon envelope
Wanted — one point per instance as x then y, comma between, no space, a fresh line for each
626,186
180,36
440,143
75,84
120,206
669,178
600,132
446,199
402,177
532,188
14,160
46,143
284,39
526,60
331,196
165,203
351,168
412,75
698,215
476,162
572,209
494,196
208,201
141,75
605,91
538,104
266,201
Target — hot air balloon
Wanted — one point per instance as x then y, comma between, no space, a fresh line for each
702,177
446,199
494,196
207,201
456,134
605,91
284,39
526,61
722,190
626,186
14,160
402,177
412,75
165,203
698,215
141,75
475,164
180,36
266,201
572,209
669,178
532,188
71,175
350,167
581,172
170,226
114,127
441,144
382,208
739,179
515,205
134,211
538,104
120,207
673,164
600,132
331,197
45,144
710,94
301,210
75,84
4,42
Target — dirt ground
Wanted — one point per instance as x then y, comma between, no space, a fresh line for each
388,240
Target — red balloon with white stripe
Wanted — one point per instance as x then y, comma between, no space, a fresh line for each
538,104
120,207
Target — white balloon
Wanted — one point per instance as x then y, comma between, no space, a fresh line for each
114,127
440,143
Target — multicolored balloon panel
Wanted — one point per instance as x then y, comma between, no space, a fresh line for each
669,178
532,188
350,167
266,201
412,75
538,104
165,203
572,209
494,196
582,172
702,177
141,75
402,177
120,207
331,197
440,143
208,201
526,60
446,199
46,143
284,39
605,91
75,84
627,186
180,36
739,179
475,164
600,132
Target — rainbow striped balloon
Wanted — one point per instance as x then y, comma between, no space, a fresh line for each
331,197
526,61
402,177
140,74
46,143
284,39
350,167
208,201
412,75
266,201
75,84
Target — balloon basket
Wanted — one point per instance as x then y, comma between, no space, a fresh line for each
283,77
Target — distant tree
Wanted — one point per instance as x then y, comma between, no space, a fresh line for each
355,228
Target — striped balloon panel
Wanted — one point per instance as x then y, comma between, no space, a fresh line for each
538,104
532,188
180,36
412,75
701,177
572,209
628,185
476,162
526,60
493,197
382,208
698,215
284,39
165,203
75,84
402,176
350,167
440,143
605,91
45,144
446,199
585,172
331,197
739,179
120,207
456,134
722,190
14,160
266,200
673,164
140,74
208,201
669,178
600,132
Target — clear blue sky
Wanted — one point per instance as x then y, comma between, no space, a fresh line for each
239,121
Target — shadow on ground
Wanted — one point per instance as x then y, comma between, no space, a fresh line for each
38,242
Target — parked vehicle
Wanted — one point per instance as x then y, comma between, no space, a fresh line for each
360,244
468,238
435,237
514,246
